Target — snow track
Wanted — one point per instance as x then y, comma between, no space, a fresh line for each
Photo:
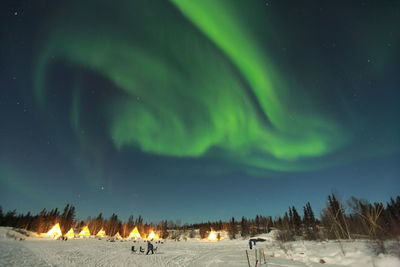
93,252
12,255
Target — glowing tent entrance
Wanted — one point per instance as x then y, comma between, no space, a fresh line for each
54,232
70,233
101,233
134,234
85,231
153,235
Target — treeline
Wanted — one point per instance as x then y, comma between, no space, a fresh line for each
114,225
362,219
44,220
41,222
234,228
355,219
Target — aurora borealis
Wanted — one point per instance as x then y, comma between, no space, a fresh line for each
121,102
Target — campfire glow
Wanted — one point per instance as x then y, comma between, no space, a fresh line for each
101,233
134,234
85,231
54,232
213,236
152,235
70,233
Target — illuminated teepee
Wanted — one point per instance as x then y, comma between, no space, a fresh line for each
134,234
54,232
70,233
118,236
214,236
85,231
101,233
153,235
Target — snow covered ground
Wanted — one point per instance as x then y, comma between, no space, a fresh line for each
35,251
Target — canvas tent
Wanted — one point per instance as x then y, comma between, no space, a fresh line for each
85,231
118,236
101,233
70,233
134,234
54,232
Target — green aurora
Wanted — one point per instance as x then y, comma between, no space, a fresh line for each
191,79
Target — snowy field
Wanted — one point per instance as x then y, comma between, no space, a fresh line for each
93,252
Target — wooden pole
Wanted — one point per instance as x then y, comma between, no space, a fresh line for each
262,256
265,260
248,261
256,257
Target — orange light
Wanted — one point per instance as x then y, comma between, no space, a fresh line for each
153,235
85,231
134,234
118,236
101,233
213,236
54,232
70,233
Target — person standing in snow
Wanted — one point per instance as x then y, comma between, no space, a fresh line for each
149,248
250,244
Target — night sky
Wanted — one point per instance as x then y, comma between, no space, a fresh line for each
197,110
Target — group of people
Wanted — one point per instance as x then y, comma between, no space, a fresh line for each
150,248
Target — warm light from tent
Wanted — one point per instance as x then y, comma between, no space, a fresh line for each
54,232
213,236
70,233
153,235
118,236
101,233
85,231
134,234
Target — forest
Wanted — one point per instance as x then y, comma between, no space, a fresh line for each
353,219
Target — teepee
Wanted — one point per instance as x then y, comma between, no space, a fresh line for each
153,235
85,231
54,232
118,236
101,233
70,233
134,234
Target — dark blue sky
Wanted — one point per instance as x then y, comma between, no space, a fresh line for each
154,110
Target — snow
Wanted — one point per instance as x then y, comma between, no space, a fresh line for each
34,251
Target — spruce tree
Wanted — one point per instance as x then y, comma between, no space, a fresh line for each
204,230
232,231
290,219
309,222
1,216
337,218
244,227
